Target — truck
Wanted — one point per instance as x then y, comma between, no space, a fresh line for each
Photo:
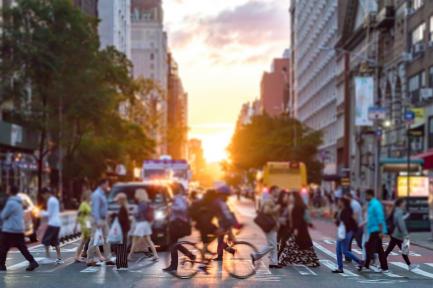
167,169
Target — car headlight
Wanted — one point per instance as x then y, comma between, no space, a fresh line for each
160,215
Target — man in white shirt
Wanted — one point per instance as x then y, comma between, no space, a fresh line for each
51,236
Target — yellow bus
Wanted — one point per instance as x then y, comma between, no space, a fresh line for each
287,175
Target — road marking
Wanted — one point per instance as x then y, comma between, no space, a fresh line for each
23,264
332,266
68,261
324,250
429,264
416,271
304,270
90,270
389,274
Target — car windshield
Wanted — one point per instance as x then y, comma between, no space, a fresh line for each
157,193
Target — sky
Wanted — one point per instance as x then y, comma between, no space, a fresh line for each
223,47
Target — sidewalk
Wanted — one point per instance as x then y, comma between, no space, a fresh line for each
421,239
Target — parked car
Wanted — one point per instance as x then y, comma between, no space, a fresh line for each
160,195
31,219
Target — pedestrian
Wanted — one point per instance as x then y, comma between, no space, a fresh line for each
51,235
299,247
347,226
180,226
359,219
400,232
271,208
142,230
99,222
376,227
121,250
12,217
84,221
284,229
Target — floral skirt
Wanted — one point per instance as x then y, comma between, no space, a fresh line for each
292,254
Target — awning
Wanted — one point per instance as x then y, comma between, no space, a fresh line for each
400,164
427,156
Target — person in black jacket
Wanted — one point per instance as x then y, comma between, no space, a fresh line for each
123,216
347,227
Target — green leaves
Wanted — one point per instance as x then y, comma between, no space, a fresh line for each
274,139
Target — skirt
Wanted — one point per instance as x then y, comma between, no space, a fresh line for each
292,254
141,229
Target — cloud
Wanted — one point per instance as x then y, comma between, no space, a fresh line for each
250,29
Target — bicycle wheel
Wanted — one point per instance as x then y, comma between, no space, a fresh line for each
190,258
237,260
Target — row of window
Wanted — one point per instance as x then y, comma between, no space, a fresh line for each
418,33
418,81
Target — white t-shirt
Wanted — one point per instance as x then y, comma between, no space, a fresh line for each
53,212
357,210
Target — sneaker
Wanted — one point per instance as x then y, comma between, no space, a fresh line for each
32,266
273,266
59,261
384,271
110,263
413,267
169,269
337,271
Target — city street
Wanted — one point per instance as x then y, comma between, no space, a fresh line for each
143,273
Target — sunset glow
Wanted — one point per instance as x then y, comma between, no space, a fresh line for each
220,69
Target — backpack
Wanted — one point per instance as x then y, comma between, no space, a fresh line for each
390,225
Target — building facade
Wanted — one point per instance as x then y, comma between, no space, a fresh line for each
315,34
115,25
274,87
149,58
177,113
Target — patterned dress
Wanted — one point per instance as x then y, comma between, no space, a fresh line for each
299,249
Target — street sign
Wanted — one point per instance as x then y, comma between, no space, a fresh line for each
376,113
409,116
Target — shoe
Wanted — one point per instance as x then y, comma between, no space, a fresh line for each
59,261
32,266
3,268
169,269
148,254
110,263
347,261
92,264
272,266
122,269
384,271
337,271
413,267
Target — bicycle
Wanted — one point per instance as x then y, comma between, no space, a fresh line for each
238,261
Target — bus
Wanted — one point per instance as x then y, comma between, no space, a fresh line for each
287,175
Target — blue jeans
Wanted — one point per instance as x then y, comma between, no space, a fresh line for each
343,248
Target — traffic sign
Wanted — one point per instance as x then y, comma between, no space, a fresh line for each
376,113
409,116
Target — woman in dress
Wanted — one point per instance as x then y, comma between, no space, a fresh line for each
299,247
142,229
284,229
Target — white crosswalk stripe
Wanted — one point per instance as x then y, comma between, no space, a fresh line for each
331,265
416,271
23,264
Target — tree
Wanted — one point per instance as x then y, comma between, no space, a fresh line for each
67,89
274,139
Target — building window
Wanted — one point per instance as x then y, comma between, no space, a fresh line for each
414,87
152,56
416,4
430,132
418,34
430,76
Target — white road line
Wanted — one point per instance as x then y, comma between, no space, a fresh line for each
429,264
23,264
90,270
416,271
332,266
324,250
388,274
304,270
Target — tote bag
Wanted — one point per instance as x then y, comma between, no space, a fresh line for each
98,238
341,231
115,235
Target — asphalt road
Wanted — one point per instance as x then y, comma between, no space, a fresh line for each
144,273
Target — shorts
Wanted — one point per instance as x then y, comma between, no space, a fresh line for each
51,236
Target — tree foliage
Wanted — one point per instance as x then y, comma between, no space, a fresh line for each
64,86
273,139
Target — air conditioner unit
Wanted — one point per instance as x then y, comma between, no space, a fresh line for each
418,48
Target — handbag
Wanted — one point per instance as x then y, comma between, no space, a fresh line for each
180,228
98,238
405,247
115,235
341,231
265,222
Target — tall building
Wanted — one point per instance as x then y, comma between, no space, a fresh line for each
314,29
177,110
89,6
115,25
149,57
274,87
